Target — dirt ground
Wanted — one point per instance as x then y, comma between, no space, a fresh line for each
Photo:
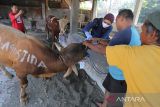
58,92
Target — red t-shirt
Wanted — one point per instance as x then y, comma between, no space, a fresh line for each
17,23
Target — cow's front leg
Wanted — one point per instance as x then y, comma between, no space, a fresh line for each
23,86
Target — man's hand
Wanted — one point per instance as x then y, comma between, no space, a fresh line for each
103,42
20,12
97,48
88,35
100,41
96,39
87,43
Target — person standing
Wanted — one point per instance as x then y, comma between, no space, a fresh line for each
16,18
126,35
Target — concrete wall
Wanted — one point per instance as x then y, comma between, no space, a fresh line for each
4,10
59,13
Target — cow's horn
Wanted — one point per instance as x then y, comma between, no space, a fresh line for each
75,70
52,19
58,46
69,71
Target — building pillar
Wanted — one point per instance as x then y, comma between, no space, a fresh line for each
74,16
94,8
43,10
137,11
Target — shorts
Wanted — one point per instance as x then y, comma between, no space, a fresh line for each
114,86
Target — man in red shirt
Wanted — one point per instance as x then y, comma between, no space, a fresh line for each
16,18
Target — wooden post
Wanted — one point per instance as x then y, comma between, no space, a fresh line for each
68,3
94,9
47,7
43,10
74,16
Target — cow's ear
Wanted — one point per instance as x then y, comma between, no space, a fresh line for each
74,68
69,71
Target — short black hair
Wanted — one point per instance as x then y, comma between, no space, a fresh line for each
126,13
13,4
150,28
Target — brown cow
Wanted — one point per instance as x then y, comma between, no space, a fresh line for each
26,55
52,25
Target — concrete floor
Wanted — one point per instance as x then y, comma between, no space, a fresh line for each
57,92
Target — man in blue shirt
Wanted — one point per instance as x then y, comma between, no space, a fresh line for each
126,35
99,27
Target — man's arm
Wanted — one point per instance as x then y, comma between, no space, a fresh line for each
99,48
106,35
120,55
103,42
89,26
14,17
18,14
121,38
100,41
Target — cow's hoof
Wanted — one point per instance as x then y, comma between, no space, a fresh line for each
10,76
24,100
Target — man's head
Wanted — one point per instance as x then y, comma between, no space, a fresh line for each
124,19
151,29
14,8
108,20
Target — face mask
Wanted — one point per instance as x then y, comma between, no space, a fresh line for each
105,25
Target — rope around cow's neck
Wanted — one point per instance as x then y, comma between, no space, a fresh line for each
62,59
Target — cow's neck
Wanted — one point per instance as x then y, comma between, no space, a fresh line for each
55,61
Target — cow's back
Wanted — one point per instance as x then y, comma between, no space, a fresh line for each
24,51
15,44
8,38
